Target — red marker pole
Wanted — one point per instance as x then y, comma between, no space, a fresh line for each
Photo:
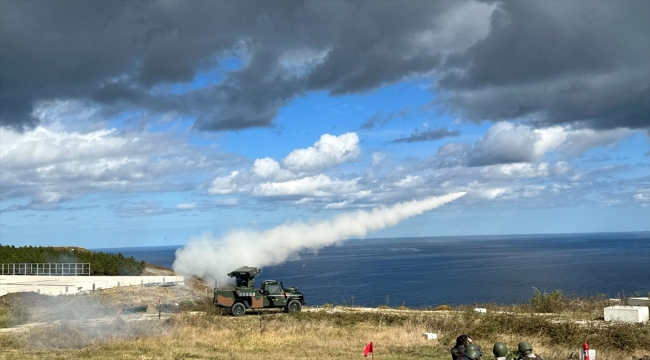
585,348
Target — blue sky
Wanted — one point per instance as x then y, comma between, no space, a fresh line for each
255,125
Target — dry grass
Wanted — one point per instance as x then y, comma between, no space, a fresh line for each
332,332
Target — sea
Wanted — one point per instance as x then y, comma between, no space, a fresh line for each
424,272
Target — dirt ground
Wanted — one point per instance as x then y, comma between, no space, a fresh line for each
106,305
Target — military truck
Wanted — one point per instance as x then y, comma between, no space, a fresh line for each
272,294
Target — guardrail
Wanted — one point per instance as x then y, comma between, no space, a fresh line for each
46,269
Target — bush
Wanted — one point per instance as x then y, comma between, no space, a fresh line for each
546,303
442,308
13,316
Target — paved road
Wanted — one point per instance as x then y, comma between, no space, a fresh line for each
67,285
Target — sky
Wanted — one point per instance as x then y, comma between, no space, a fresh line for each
149,123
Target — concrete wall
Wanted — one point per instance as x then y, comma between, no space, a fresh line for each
633,314
67,285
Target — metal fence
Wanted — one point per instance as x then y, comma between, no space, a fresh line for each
46,269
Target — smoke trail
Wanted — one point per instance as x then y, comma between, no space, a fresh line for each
212,258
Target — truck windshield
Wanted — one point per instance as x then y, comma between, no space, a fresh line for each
273,288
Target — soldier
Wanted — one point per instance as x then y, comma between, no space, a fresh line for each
471,345
526,351
458,351
472,353
463,343
500,351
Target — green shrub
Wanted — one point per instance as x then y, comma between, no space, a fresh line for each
100,263
546,303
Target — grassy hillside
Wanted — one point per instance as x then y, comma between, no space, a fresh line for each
328,332
100,263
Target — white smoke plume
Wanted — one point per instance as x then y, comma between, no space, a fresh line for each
211,258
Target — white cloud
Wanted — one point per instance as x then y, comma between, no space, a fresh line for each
300,173
189,206
51,164
516,170
314,186
484,191
265,167
328,151
410,181
642,196
506,143
225,184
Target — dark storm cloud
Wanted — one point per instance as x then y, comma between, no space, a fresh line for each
114,53
555,61
427,135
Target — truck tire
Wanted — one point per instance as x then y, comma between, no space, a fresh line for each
238,309
293,306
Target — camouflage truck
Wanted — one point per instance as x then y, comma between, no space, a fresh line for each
245,296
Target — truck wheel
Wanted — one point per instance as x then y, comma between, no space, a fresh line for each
294,305
238,309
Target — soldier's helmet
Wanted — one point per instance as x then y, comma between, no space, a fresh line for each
472,346
525,346
500,349
472,353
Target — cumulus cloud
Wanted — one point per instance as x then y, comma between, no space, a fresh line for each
506,143
328,151
298,174
51,165
513,163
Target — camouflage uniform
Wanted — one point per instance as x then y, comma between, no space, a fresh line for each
458,353
531,356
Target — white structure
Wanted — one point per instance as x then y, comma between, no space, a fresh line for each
633,314
638,301
480,310
430,336
67,285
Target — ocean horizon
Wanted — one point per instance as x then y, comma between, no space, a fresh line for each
454,270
